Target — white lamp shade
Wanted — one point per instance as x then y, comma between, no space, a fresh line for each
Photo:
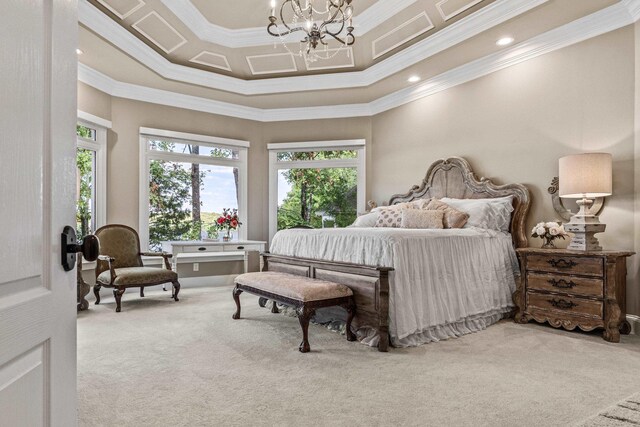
586,175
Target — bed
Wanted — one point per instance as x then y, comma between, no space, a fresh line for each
416,286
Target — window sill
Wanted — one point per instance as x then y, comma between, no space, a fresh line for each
183,258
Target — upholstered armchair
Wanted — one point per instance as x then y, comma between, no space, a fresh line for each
120,264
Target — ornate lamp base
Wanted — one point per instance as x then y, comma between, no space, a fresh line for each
584,226
583,236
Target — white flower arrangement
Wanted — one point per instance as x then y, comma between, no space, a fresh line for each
549,231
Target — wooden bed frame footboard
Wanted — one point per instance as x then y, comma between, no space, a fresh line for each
370,286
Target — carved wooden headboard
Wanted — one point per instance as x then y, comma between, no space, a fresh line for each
454,178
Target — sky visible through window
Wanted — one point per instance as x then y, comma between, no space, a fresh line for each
219,190
283,187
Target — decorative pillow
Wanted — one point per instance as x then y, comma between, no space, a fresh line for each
389,217
415,204
491,214
453,218
366,220
422,218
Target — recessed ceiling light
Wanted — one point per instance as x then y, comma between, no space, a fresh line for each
504,41
413,79
79,51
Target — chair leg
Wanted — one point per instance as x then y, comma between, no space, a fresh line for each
236,298
141,291
351,311
117,293
304,315
96,292
175,290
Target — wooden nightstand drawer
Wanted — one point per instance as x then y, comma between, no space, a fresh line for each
557,263
566,284
564,304
570,289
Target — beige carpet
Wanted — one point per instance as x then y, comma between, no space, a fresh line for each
161,363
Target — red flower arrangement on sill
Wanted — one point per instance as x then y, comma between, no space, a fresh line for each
228,221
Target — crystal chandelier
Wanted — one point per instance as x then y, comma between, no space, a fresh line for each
318,26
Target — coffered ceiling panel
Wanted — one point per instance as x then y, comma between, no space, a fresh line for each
451,8
211,59
272,63
403,33
157,30
340,58
122,8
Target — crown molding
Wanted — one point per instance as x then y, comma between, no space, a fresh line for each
634,8
206,31
88,117
486,18
598,23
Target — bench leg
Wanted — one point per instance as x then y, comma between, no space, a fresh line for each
96,292
175,290
236,298
351,311
304,316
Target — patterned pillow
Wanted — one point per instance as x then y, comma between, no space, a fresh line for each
422,218
453,218
389,217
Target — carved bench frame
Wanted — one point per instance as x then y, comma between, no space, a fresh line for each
304,309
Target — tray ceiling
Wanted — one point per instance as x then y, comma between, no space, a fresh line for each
118,59
231,38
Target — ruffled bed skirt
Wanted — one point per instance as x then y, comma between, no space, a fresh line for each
334,319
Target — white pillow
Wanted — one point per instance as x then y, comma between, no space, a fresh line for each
490,214
366,220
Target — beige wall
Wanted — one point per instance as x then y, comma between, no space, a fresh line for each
128,116
512,126
93,101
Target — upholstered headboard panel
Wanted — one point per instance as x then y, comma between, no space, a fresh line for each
454,178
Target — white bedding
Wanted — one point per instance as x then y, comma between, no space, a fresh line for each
446,283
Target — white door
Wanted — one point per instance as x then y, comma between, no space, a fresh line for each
38,69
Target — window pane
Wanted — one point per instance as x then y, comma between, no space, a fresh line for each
85,207
200,150
292,156
318,198
185,199
86,132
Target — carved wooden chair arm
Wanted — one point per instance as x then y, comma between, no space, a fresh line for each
110,261
165,255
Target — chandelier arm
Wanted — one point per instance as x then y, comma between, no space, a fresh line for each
297,13
284,33
339,5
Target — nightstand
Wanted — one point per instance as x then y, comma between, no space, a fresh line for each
570,289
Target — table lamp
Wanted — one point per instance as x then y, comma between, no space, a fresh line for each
585,177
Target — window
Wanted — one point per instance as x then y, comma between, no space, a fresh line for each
186,182
91,163
317,184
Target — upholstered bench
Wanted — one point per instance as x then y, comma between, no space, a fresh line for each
303,293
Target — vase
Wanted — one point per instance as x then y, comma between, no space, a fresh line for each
548,243
227,235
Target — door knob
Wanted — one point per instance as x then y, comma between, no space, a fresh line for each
90,247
